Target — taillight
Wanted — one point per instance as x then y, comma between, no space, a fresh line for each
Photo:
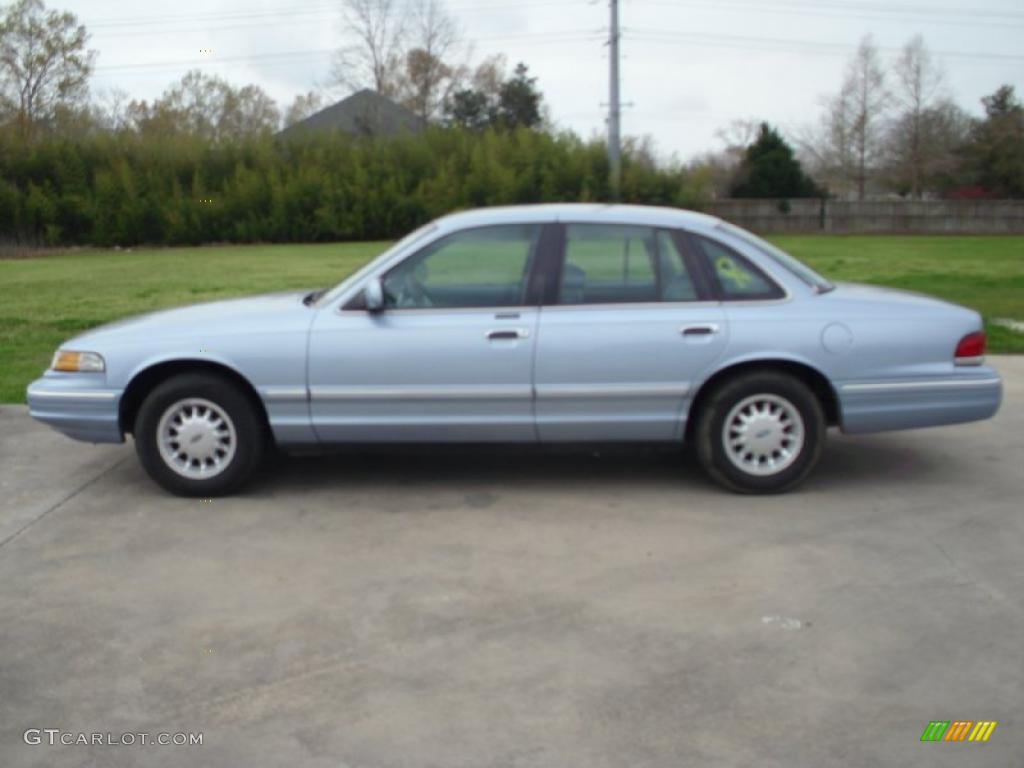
971,349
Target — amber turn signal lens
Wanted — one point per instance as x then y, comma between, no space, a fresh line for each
66,361
77,362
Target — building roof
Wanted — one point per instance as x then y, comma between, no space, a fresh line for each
364,113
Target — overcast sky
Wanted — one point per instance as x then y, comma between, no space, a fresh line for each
689,67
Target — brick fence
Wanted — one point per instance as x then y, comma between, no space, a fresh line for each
983,217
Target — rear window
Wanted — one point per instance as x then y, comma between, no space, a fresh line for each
780,257
737,279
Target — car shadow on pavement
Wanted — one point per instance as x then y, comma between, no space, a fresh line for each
488,464
846,462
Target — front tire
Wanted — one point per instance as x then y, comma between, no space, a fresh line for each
198,434
760,432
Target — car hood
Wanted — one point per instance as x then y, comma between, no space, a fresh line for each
231,314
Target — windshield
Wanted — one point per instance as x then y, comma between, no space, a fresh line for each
405,242
783,259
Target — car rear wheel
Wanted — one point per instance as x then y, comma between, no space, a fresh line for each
760,432
197,434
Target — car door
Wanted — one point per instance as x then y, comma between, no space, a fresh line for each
450,357
626,331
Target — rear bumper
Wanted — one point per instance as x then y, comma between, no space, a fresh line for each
78,405
878,406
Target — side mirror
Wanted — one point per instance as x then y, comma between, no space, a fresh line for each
373,295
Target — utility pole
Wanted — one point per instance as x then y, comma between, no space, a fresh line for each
614,107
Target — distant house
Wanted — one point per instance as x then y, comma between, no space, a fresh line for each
364,113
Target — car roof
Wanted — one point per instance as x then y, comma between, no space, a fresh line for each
600,213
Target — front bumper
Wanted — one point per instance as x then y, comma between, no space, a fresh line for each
877,406
80,405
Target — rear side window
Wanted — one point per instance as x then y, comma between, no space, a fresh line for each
735,277
675,282
622,264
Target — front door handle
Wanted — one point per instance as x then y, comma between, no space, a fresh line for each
507,333
704,329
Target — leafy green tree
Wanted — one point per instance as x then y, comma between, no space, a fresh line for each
470,109
994,153
44,63
770,169
209,107
519,101
510,103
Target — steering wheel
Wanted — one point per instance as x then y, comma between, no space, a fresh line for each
411,293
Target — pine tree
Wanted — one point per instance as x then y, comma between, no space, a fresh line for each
770,169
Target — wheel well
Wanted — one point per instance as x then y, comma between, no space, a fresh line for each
813,378
145,381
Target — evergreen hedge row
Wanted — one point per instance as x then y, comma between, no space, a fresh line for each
128,188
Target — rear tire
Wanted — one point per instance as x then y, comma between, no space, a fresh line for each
760,432
198,434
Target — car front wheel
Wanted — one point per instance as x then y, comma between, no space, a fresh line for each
761,432
199,435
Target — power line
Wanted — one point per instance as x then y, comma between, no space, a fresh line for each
122,27
788,45
921,12
838,14
878,10
540,38
320,10
140,21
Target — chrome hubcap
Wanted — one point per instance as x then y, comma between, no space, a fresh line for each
196,438
763,434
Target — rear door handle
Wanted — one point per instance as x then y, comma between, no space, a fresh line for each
507,333
704,329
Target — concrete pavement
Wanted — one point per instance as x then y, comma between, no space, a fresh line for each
518,608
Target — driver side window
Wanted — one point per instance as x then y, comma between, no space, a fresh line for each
483,267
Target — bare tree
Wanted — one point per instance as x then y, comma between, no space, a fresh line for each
373,60
304,105
827,150
918,82
923,150
737,136
430,77
111,109
44,63
490,75
862,102
711,173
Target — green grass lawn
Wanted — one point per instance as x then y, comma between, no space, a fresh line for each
48,299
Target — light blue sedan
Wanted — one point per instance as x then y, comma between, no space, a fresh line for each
532,324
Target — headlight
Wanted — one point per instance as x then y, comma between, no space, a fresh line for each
77,362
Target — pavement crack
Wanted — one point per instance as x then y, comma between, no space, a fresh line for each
251,694
971,580
952,562
62,502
